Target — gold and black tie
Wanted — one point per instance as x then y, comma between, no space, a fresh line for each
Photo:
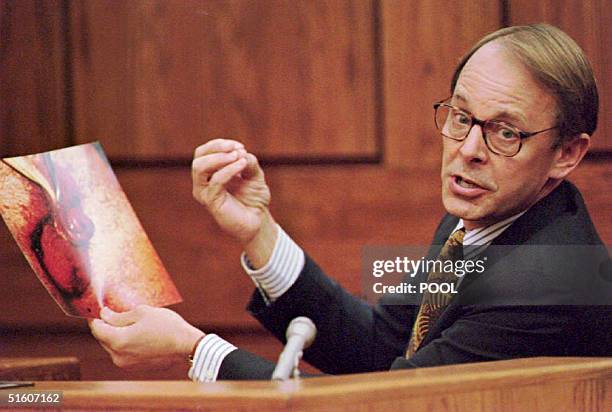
433,304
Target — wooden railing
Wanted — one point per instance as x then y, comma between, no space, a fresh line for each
535,384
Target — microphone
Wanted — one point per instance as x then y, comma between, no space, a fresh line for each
300,335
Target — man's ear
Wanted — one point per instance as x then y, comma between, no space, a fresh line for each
569,154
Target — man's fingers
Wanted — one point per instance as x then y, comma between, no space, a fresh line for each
217,145
252,168
120,319
202,168
103,332
217,182
224,175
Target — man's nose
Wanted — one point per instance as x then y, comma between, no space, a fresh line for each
474,147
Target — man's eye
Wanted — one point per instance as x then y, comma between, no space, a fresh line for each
508,134
461,118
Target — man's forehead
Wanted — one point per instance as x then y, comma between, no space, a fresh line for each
495,84
507,113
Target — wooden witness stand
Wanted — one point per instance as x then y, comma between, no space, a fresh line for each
536,384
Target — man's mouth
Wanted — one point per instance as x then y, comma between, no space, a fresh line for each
468,184
467,188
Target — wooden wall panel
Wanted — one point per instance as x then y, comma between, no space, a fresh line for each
422,42
593,180
154,78
588,23
33,111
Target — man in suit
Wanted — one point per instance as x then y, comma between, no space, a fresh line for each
523,106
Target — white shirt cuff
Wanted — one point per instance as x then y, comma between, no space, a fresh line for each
281,271
207,359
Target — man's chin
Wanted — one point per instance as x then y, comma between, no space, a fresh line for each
462,208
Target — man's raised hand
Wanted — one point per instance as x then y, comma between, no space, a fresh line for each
230,183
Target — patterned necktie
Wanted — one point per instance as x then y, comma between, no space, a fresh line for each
433,304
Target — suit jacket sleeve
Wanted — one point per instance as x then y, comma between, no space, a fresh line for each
241,365
352,336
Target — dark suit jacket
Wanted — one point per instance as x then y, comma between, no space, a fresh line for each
533,300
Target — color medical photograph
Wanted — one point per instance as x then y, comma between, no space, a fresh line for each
79,233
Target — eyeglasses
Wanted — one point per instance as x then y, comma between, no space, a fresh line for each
501,138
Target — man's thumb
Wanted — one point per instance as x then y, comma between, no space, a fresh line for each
119,318
252,168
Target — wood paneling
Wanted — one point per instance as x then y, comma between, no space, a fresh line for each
154,78
33,110
422,42
588,23
593,180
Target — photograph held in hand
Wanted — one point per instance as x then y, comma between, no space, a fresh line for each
77,229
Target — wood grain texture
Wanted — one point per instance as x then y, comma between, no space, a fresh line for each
33,108
593,180
153,79
39,369
543,384
422,42
588,23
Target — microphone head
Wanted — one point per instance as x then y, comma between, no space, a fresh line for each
303,327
